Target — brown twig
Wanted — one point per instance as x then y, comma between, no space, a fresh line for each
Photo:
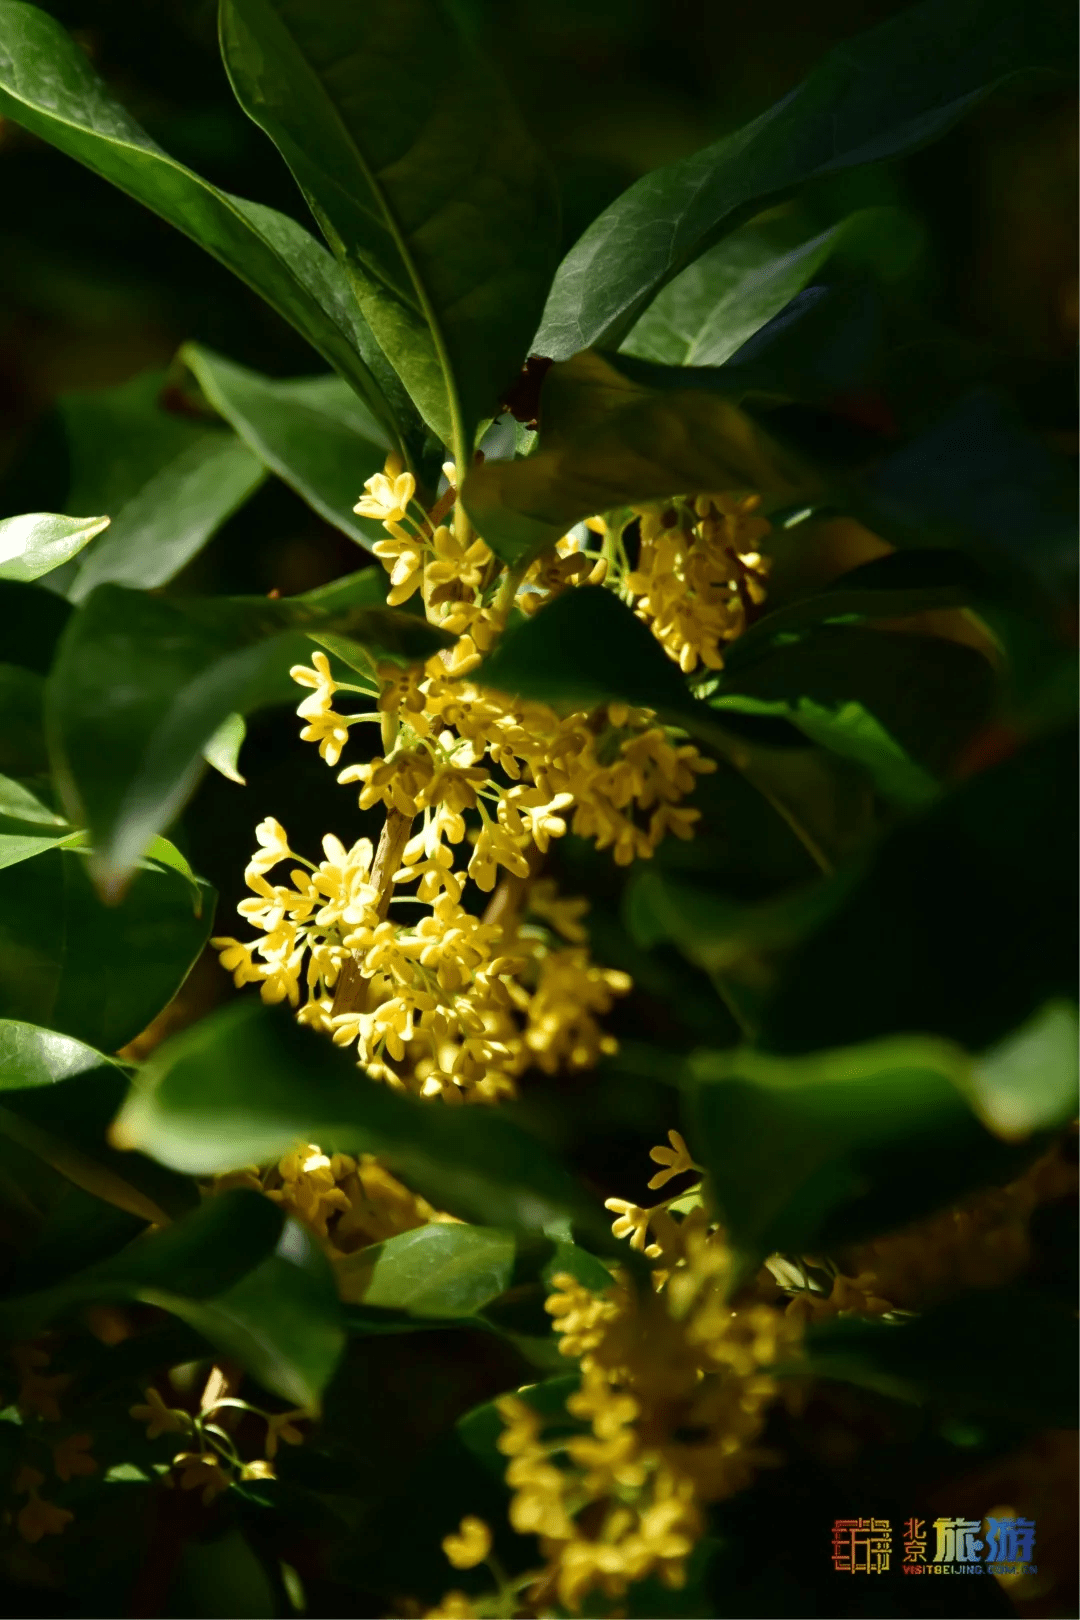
351,990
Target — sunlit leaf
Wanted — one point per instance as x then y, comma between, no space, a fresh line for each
37,542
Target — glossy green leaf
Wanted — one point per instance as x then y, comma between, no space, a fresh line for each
141,684
244,1084
963,923
813,1151
963,1355
312,432
37,542
607,441
48,85
99,973
423,178
168,482
441,1270
1027,1082
718,302
889,91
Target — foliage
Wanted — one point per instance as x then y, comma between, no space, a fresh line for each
719,661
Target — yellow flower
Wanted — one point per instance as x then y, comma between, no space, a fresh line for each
159,1418
454,1606
388,493
676,1159
259,1469
201,1470
273,838
40,1518
282,1427
470,1544
70,1456
631,1220
27,1479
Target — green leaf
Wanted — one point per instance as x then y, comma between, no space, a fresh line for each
222,750
48,85
963,1354
1027,1082
718,302
311,431
607,441
17,803
814,1151
423,178
244,1084
889,91
141,684
16,847
441,1270
282,1321
899,705
963,923
99,973
37,542
890,587
256,1286
169,482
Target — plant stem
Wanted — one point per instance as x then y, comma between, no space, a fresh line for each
351,990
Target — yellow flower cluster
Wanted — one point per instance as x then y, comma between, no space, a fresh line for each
346,1202
672,1402
37,1401
698,574
458,1003
454,1006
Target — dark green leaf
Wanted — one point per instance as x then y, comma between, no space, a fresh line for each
59,1099
246,1083
438,1270
423,177
254,1285
887,92
37,542
48,85
718,302
168,482
282,1321
963,1354
141,684
812,1151
607,441
890,587
963,924
312,432
99,973
899,705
